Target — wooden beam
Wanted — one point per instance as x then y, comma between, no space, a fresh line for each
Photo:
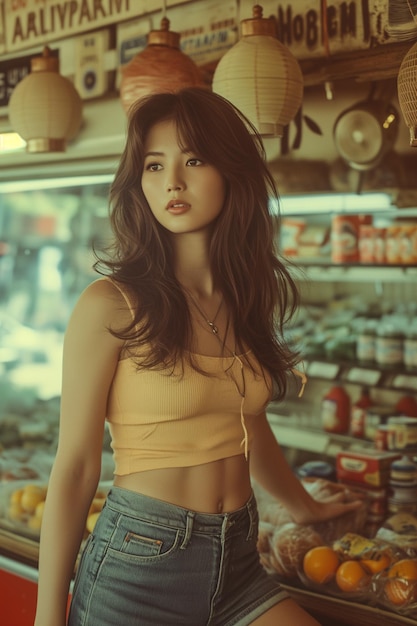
378,63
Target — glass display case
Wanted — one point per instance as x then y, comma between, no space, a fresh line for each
48,231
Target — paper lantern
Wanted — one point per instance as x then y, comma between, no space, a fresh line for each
45,108
261,77
407,92
160,67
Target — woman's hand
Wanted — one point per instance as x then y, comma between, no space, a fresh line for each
330,505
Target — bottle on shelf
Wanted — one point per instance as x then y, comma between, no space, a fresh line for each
358,413
335,411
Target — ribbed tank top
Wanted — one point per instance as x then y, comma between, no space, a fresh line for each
183,418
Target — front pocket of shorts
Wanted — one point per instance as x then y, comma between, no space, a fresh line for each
150,542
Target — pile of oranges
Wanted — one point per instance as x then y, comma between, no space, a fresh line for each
323,565
27,503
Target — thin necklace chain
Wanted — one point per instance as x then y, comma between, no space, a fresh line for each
211,323
241,389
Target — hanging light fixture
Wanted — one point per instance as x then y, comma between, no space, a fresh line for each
45,108
160,67
261,77
407,92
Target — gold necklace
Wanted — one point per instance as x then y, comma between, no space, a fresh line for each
211,323
241,389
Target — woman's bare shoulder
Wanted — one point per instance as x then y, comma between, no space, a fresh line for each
102,299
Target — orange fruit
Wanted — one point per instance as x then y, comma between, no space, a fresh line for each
32,495
405,568
401,586
378,564
399,591
320,564
351,576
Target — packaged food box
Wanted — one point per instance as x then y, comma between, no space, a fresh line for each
369,467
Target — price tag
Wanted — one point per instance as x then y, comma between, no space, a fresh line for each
404,381
319,369
363,375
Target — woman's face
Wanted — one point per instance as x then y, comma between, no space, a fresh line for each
185,193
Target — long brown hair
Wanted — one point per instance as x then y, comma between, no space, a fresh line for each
257,287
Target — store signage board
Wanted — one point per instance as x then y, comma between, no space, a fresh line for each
208,29
352,25
29,23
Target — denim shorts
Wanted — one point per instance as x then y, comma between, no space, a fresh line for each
151,563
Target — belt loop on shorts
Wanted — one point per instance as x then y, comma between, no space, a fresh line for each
188,529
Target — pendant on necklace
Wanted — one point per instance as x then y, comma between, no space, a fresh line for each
213,327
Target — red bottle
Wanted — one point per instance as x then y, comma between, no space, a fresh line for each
335,411
358,413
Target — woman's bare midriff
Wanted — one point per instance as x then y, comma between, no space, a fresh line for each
217,487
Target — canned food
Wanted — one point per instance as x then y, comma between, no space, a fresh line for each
408,244
403,472
402,507
366,243
344,238
380,234
375,417
381,437
402,433
392,244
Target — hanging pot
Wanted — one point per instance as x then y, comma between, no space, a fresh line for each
365,132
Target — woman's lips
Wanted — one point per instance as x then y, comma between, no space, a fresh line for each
177,207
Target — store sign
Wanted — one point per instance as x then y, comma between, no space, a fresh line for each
208,29
33,22
346,24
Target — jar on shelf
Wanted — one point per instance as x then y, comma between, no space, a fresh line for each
366,342
410,348
389,346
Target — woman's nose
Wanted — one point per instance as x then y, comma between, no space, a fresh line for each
174,186
175,181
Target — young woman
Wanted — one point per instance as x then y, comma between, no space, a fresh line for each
180,347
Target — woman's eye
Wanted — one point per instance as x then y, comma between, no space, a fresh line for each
153,167
194,161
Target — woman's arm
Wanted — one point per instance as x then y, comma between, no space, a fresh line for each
271,470
90,358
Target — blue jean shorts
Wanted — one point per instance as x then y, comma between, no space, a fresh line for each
151,563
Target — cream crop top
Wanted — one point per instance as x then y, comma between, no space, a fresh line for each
160,420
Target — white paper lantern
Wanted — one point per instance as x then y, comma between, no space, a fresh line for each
45,108
407,92
261,77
